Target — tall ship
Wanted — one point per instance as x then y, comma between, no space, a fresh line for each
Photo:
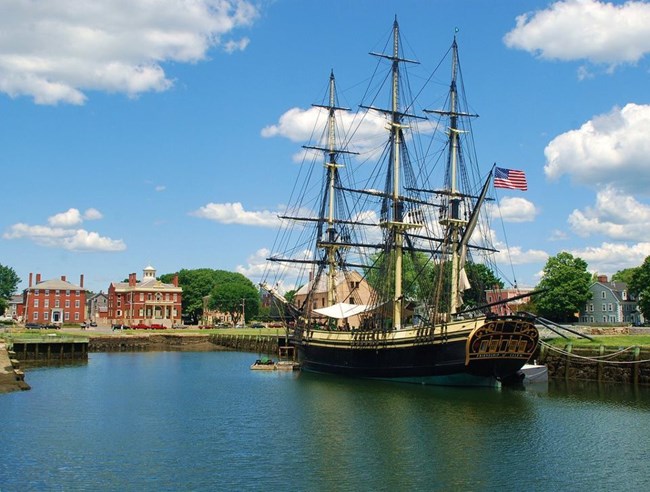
388,246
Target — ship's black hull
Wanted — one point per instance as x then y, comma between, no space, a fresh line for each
454,359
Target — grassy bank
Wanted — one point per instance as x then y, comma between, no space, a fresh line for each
609,341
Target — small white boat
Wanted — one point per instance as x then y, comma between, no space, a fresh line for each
535,373
263,364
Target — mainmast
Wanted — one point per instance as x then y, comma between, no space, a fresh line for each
395,224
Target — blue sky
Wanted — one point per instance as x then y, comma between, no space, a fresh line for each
164,132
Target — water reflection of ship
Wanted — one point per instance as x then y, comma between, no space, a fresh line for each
453,431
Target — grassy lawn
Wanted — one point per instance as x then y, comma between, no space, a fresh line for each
19,333
612,341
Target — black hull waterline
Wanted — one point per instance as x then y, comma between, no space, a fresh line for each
493,350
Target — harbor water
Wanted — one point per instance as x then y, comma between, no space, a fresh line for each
205,421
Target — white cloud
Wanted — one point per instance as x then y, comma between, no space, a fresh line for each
240,45
611,257
615,215
557,235
609,149
66,219
234,213
160,188
92,214
369,128
70,239
600,32
56,50
515,255
61,233
516,209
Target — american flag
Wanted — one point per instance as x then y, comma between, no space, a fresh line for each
510,178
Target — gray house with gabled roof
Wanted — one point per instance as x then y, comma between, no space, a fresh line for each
610,304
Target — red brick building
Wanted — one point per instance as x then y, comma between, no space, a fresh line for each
504,296
54,301
145,302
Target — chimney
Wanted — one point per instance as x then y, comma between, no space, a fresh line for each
81,280
175,280
602,279
63,277
30,279
132,280
38,278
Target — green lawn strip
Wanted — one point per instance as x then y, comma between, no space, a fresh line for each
609,341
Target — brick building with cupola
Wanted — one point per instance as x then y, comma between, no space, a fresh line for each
145,302
54,301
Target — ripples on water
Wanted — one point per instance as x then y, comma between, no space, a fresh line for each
204,421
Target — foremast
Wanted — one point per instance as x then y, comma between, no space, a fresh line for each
332,244
453,221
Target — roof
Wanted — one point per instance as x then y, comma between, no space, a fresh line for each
321,286
55,284
148,284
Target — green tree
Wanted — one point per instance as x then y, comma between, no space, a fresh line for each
480,278
417,274
624,275
235,294
639,285
565,284
9,281
196,284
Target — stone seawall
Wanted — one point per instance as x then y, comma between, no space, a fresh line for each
179,341
11,377
626,365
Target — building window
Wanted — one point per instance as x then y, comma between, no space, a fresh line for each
610,307
603,294
67,292
67,303
46,316
35,316
141,313
148,296
57,292
67,316
175,297
167,296
47,292
76,303
604,307
57,303
35,303
119,302
46,303
591,307
141,296
77,292
76,316
118,312
36,292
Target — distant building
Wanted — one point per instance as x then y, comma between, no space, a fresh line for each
148,301
610,304
351,288
16,308
54,301
504,297
98,307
